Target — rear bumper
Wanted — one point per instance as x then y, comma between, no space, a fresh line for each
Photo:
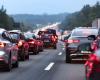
3,64
49,44
31,49
72,49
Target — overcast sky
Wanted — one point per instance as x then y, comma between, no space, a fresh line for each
44,6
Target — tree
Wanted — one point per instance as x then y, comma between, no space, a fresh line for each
82,18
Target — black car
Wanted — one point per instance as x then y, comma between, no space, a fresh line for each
49,38
78,43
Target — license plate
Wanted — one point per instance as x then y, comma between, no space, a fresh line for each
86,52
46,40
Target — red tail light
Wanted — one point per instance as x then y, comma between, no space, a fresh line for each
2,45
20,43
72,41
32,42
94,58
53,38
40,36
1,58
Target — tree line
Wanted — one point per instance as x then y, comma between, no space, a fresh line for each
8,23
84,17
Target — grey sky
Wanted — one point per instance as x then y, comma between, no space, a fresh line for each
44,6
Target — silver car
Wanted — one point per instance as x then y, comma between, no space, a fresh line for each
8,51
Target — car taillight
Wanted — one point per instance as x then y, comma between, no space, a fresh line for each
56,37
32,42
72,41
53,38
2,45
20,43
38,42
1,58
94,58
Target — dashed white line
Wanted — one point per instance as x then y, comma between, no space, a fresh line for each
60,53
63,48
49,66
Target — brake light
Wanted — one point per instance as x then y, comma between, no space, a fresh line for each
32,42
20,43
40,36
1,45
1,58
56,37
73,41
94,58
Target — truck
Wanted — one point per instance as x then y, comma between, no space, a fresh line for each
96,23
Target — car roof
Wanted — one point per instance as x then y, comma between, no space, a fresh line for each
2,30
15,31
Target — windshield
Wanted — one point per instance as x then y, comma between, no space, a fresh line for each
14,35
85,32
30,36
50,31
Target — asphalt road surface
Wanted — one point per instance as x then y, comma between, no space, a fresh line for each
48,65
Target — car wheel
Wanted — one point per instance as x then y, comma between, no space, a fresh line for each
16,64
36,51
55,47
68,59
9,65
42,48
86,73
27,57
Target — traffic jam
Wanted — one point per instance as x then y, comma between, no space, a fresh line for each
81,43
16,46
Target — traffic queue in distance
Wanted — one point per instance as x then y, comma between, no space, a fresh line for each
83,43
16,46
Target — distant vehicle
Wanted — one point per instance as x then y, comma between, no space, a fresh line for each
40,43
92,66
33,43
49,38
96,23
23,46
78,43
8,51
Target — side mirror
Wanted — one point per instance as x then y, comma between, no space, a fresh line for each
91,37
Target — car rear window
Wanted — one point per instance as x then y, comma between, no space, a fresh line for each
14,35
85,32
30,36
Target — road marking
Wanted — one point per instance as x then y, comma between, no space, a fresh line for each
63,48
49,66
60,53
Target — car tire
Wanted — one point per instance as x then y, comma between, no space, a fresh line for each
54,46
42,48
68,59
16,64
27,57
9,65
86,73
23,55
36,51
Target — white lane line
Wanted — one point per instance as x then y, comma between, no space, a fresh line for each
49,66
60,53
63,48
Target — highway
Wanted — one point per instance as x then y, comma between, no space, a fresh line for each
48,65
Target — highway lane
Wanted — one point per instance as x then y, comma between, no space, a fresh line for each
48,65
